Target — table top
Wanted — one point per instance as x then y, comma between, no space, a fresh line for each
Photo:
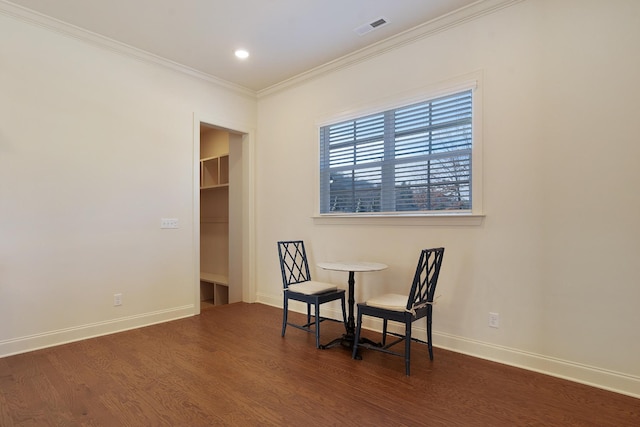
352,266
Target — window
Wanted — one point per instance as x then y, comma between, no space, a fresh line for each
413,159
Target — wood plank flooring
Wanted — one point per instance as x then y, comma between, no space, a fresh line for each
229,366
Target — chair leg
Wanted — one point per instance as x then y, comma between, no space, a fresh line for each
384,332
317,306
356,339
429,346
308,314
344,314
407,346
284,314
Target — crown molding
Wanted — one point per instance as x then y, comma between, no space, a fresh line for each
473,11
458,17
37,19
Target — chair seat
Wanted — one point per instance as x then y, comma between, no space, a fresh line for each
395,302
312,287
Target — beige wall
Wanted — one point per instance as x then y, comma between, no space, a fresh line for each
556,255
95,148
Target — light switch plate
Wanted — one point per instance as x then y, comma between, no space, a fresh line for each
169,223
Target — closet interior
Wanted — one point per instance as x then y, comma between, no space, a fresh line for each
214,217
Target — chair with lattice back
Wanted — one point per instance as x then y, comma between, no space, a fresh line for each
403,309
298,286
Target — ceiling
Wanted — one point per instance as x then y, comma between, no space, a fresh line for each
284,37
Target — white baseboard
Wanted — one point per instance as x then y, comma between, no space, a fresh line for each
269,300
565,369
596,377
82,332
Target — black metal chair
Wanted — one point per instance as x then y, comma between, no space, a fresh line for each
399,308
298,286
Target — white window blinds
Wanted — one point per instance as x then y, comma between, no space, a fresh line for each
415,158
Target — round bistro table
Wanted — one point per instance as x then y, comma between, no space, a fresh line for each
351,267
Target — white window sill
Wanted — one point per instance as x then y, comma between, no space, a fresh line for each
401,220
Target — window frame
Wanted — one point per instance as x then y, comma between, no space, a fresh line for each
471,216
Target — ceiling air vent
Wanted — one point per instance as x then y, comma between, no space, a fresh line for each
364,29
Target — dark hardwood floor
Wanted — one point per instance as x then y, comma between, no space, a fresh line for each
229,366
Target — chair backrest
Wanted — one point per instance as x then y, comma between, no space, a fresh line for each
293,262
425,279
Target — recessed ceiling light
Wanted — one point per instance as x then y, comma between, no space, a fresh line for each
242,54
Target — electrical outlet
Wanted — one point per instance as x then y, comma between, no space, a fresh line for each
494,320
169,223
117,299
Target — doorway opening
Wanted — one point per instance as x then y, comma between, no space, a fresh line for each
214,216
222,224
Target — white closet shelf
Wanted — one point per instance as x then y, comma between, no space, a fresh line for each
218,279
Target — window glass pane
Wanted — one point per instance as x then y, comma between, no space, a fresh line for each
439,184
355,191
